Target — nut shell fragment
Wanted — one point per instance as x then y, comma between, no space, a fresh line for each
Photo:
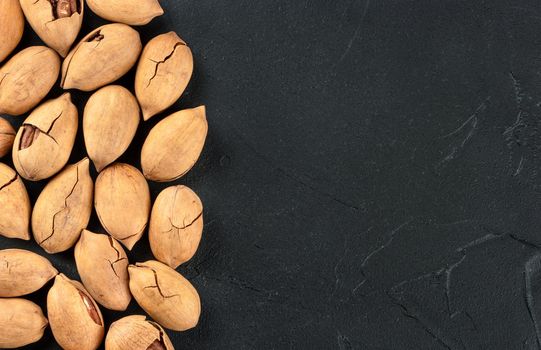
163,73
176,225
63,208
23,272
173,146
15,205
44,142
122,201
75,318
27,78
21,323
103,267
101,57
132,12
165,295
137,333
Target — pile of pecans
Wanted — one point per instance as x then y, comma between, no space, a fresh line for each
41,148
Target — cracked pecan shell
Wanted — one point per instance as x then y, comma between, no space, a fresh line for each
163,73
44,142
56,22
103,267
75,318
15,205
23,272
176,225
132,12
137,333
63,208
12,28
27,78
101,57
165,295
122,201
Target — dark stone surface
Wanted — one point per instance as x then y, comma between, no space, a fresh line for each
371,176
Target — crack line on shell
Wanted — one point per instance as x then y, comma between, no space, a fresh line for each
113,246
4,77
185,226
157,286
158,63
41,131
44,132
9,182
153,324
53,123
112,263
65,206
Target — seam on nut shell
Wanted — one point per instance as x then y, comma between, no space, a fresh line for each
63,81
135,234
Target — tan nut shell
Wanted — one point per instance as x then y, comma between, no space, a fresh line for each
27,78
163,73
176,225
7,136
58,34
132,12
122,201
11,30
75,318
173,146
57,122
23,272
137,333
15,204
103,267
165,295
110,121
101,57
63,208
21,323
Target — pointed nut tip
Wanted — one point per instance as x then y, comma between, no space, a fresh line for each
147,115
201,109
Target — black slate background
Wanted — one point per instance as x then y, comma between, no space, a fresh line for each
371,175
